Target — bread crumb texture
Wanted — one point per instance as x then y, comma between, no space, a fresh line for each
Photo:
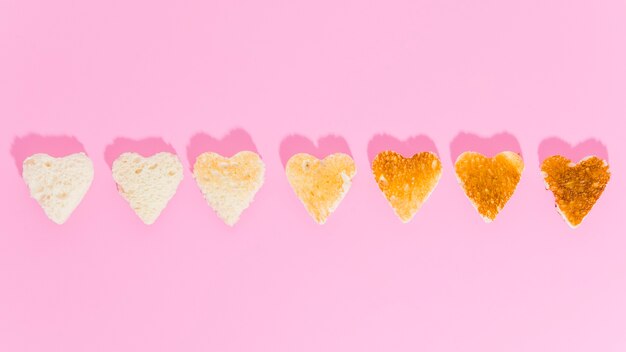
58,184
576,187
229,184
320,184
489,183
406,182
149,183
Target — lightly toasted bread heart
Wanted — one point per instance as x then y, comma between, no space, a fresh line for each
320,185
229,184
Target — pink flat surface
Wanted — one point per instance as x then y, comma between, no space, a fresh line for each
111,76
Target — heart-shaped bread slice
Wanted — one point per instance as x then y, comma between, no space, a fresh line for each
406,182
58,184
229,184
320,184
147,184
489,183
576,187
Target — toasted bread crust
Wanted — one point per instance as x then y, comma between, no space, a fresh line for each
489,183
406,182
576,187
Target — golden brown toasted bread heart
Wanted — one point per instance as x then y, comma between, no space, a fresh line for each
406,182
320,184
576,187
489,183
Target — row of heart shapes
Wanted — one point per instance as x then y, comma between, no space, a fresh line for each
230,184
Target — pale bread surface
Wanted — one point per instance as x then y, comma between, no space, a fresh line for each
229,184
58,184
147,184
320,184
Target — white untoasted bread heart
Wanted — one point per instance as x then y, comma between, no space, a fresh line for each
229,184
58,184
147,184
320,184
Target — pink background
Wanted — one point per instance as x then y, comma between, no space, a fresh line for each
540,73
